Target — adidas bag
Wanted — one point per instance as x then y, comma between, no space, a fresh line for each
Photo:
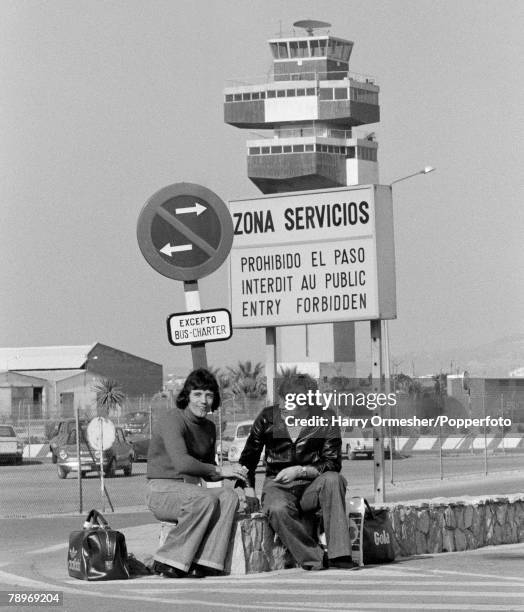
97,552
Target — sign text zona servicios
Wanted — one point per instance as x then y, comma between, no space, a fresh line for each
313,257
199,326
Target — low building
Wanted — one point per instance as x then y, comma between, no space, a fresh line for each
49,382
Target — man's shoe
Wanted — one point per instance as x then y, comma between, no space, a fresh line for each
316,567
168,571
201,571
346,563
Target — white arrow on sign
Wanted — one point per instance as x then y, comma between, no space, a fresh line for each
169,250
197,208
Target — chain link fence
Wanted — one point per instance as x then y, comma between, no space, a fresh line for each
480,430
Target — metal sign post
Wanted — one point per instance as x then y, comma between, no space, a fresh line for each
379,480
101,434
271,364
101,459
79,459
198,349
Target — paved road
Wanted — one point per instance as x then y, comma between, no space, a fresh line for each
30,490
491,578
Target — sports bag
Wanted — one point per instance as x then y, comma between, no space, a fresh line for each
371,533
97,552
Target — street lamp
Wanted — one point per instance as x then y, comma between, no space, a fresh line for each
425,170
387,368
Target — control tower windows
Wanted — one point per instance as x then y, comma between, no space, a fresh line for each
298,48
318,48
282,50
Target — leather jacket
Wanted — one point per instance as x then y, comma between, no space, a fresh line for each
318,444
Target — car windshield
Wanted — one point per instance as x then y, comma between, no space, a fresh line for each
136,417
7,432
71,438
243,431
229,432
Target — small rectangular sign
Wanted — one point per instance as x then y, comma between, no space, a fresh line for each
199,326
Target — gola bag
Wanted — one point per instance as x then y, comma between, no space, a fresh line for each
97,552
371,533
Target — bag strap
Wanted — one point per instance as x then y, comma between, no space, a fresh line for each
369,509
96,517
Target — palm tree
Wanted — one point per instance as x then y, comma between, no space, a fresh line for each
247,380
109,395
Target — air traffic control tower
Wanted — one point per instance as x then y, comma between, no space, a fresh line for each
310,106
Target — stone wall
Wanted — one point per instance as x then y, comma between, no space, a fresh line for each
420,527
449,525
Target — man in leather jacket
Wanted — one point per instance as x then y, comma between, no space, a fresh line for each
303,462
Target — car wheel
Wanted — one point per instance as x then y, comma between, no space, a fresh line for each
54,458
128,469
110,469
62,471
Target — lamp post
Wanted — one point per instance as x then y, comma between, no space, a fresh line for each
387,368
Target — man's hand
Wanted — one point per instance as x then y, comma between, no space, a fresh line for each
233,472
289,474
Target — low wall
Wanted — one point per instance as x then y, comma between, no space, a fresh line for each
449,525
420,527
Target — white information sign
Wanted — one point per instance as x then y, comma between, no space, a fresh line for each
199,326
313,257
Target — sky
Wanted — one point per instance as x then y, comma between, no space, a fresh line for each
104,103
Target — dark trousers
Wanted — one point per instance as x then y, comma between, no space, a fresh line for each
286,505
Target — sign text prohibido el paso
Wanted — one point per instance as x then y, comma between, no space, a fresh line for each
313,257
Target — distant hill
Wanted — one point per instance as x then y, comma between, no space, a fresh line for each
493,359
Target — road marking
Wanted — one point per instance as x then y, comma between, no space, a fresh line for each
356,602
494,576
365,605
320,592
52,548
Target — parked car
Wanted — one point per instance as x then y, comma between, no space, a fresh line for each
228,436
236,447
140,442
358,443
11,446
119,457
62,430
135,422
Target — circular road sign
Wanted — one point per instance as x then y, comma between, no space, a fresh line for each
185,231
101,433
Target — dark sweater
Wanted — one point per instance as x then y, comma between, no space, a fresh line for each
182,444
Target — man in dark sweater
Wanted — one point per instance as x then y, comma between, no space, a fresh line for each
303,462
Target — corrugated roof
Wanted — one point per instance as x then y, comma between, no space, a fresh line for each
15,379
44,357
56,375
